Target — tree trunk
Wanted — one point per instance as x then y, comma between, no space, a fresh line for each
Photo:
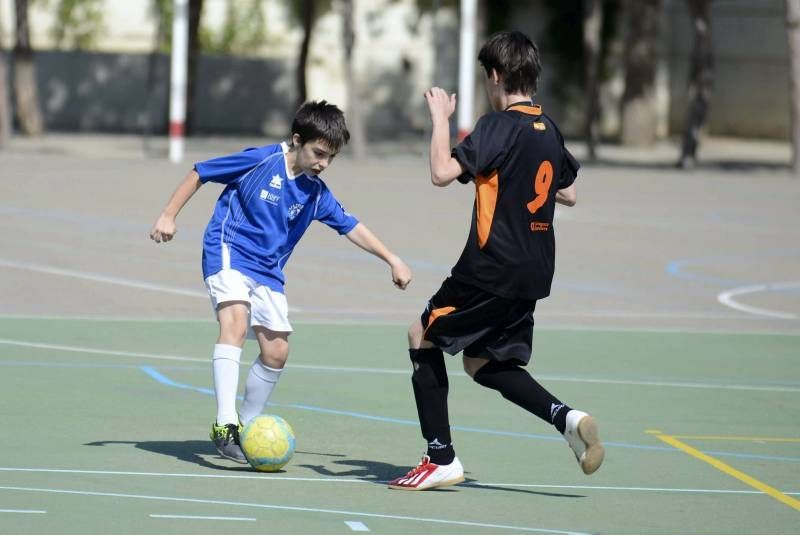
638,100
26,95
195,13
701,81
793,30
5,110
308,14
357,135
592,25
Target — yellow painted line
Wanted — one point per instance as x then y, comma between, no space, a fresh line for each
741,476
731,438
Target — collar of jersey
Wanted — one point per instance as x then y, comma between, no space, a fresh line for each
525,106
289,175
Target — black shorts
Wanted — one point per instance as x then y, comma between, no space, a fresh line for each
461,317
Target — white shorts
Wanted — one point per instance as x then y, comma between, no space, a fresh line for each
268,308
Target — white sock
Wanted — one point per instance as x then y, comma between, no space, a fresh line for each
225,367
260,382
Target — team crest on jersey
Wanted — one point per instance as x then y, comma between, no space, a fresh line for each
294,211
276,182
269,197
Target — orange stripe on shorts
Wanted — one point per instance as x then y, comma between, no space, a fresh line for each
437,313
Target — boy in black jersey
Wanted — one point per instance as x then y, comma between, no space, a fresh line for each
516,158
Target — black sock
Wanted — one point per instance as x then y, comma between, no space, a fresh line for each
430,392
517,386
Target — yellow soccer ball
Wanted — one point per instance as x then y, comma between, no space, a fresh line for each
268,442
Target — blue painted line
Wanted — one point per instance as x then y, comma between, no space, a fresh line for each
161,378
678,268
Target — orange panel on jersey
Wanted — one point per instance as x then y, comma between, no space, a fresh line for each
486,200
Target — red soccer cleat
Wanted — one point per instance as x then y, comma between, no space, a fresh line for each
427,475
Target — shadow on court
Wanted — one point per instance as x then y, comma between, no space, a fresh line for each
190,451
382,473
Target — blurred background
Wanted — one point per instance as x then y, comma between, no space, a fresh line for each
627,73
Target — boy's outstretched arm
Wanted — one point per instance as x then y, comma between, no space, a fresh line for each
444,168
364,238
165,228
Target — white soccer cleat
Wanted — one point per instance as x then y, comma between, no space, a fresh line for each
581,434
427,475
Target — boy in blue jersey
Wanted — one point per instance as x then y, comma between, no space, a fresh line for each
272,195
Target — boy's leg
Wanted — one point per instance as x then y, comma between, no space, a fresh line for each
431,387
265,372
516,385
233,321
269,317
440,466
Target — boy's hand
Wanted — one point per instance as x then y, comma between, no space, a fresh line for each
440,104
164,229
401,273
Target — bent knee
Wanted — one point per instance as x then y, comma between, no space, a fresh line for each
473,364
415,334
275,359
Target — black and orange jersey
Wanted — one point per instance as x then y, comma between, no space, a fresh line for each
517,161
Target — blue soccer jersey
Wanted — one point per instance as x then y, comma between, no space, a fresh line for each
263,212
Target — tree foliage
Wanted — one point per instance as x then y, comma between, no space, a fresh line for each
243,30
78,23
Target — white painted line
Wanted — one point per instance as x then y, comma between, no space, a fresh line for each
361,322
190,517
272,478
95,277
23,511
356,526
404,371
142,285
424,520
727,299
262,477
77,349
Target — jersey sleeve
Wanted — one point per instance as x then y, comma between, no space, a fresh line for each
569,170
329,211
227,169
485,148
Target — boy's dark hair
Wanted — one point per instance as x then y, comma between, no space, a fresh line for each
516,58
321,120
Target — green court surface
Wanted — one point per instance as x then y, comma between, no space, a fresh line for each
106,431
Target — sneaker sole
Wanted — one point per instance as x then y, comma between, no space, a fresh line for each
445,483
595,453
234,459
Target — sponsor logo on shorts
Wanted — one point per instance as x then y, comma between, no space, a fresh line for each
539,226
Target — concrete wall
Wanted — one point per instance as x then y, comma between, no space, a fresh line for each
96,92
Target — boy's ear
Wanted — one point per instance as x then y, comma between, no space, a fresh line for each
296,141
494,76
